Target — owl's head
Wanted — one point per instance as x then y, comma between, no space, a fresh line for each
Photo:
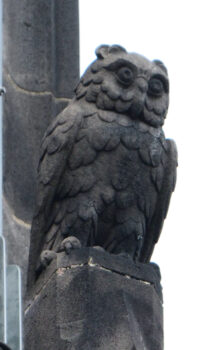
126,83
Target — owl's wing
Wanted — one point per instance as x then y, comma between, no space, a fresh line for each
56,146
168,180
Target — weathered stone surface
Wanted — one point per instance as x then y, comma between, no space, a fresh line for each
18,238
91,300
40,71
41,44
106,172
26,116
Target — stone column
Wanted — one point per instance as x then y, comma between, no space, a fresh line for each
92,300
40,70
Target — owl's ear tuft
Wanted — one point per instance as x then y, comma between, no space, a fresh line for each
104,50
161,65
116,49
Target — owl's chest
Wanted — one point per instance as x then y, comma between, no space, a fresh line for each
117,146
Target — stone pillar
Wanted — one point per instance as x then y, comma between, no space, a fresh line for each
92,300
40,70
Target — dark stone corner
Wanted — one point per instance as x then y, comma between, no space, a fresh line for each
94,300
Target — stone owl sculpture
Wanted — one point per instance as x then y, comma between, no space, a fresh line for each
106,172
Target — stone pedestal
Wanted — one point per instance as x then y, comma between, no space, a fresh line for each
93,300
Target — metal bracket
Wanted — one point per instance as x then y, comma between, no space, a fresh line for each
2,90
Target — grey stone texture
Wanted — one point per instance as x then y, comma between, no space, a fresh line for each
40,71
92,300
106,172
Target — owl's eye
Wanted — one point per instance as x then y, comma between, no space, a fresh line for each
125,75
156,87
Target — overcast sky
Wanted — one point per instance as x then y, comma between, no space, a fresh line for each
180,33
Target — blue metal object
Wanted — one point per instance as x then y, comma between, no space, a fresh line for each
3,323
10,276
14,307
1,93
2,291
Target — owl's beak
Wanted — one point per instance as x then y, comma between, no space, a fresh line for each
142,84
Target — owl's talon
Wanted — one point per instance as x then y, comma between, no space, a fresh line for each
45,259
125,255
70,243
99,248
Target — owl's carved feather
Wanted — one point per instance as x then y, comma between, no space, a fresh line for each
106,171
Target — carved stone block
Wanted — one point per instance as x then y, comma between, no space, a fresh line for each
93,300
